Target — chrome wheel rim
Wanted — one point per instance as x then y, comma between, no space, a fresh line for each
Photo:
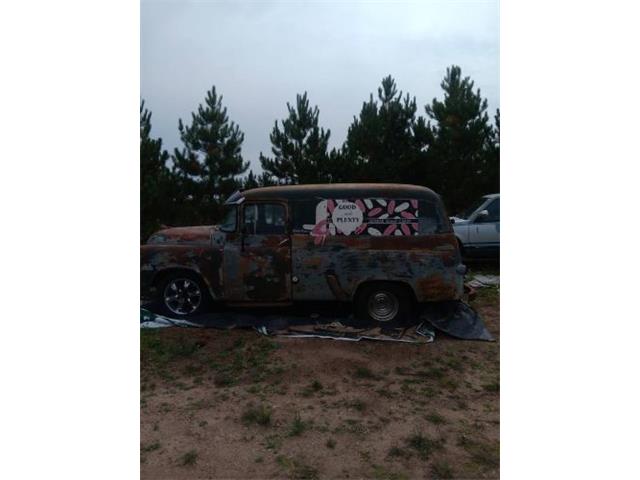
383,306
182,296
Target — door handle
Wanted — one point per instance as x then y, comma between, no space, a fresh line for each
284,242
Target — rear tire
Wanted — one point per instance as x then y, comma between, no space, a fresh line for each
384,304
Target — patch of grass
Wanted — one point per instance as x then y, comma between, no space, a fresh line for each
448,383
364,373
254,389
435,373
423,445
435,418
351,426
386,393
151,447
259,415
489,294
223,379
406,389
297,469
314,387
381,473
455,364
492,387
298,426
273,443
200,404
441,469
189,459
158,349
331,443
398,452
428,392
192,369
486,454
358,405
243,361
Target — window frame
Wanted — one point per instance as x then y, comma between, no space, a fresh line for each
266,202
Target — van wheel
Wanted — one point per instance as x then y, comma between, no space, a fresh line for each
383,303
182,295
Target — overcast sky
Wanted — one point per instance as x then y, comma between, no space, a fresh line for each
260,54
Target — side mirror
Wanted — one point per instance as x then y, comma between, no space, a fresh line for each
482,215
452,220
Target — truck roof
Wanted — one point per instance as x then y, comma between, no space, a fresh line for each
336,190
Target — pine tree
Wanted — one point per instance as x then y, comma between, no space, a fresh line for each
381,143
457,163
492,162
299,146
154,178
209,165
251,181
254,181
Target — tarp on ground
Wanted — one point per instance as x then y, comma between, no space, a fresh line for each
338,331
457,319
481,281
453,318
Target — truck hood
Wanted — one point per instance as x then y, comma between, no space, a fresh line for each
184,235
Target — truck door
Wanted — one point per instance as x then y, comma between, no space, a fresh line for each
262,272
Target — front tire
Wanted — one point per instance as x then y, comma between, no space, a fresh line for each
182,295
384,304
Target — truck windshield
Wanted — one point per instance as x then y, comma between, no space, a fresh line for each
229,222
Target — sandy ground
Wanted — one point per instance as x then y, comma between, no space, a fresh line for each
232,404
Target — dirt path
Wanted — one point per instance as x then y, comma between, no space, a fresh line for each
231,404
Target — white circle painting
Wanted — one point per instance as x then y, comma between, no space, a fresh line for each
347,217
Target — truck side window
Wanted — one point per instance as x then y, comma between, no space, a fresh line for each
432,218
303,213
264,219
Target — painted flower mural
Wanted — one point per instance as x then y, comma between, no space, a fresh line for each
365,216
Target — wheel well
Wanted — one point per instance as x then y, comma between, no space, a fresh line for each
460,245
162,275
404,285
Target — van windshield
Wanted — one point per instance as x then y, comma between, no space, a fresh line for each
469,211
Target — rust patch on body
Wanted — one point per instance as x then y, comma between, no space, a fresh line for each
436,287
336,288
